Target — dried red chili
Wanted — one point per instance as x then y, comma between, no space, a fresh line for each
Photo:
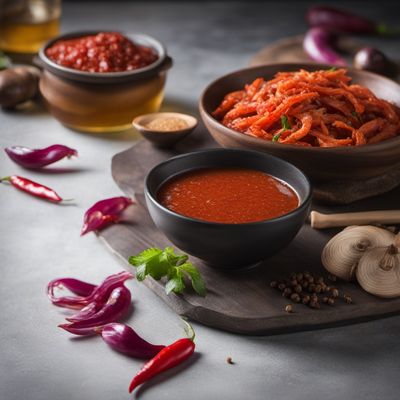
33,188
167,358
104,52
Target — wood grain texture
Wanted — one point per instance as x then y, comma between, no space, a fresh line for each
241,301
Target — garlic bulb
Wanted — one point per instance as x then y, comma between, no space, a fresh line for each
343,252
378,271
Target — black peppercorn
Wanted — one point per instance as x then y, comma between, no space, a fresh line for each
274,284
295,297
287,292
331,301
289,308
335,293
299,277
298,289
314,304
347,299
281,286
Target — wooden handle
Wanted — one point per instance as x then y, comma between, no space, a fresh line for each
321,221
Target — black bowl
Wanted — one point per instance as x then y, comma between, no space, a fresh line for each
228,246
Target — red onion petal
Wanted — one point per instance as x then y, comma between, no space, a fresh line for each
85,312
104,212
80,288
116,306
38,158
99,295
124,339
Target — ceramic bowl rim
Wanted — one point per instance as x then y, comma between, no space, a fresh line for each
266,144
303,203
142,128
101,77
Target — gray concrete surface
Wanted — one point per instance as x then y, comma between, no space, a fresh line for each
40,241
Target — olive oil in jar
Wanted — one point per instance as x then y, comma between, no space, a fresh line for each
26,24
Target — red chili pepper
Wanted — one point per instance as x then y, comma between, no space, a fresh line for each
167,358
33,188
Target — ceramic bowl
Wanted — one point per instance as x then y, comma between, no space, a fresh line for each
320,164
103,102
228,246
164,138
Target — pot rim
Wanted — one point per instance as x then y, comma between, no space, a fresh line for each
163,62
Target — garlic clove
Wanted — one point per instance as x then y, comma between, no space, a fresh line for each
342,253
378,272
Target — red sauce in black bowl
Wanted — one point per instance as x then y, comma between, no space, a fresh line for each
228,195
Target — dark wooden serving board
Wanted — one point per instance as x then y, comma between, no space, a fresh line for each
240,301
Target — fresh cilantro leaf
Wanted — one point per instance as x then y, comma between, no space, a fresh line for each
144,256
150,262
175,283
172,258
165,263
195,276
141,272
332,69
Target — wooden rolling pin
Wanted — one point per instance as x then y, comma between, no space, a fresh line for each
321,221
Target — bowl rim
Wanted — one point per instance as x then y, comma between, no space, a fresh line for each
303,203
267,144
101,77
186,117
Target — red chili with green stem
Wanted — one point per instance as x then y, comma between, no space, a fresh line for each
167,358
33,188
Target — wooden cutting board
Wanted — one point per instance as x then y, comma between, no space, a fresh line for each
240,301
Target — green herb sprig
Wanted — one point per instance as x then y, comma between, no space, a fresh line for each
159,263
285,127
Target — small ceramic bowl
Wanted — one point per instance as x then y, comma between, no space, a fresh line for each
228,246
164,138
320,164
103,102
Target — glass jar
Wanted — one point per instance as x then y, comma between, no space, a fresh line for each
26,24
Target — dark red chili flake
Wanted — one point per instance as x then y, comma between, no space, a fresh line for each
104,52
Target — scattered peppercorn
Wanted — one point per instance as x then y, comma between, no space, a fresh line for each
295,297
347,299
309,289
314,304
335,293
281,286
230,361
287,292
298,289
332,278
289,308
